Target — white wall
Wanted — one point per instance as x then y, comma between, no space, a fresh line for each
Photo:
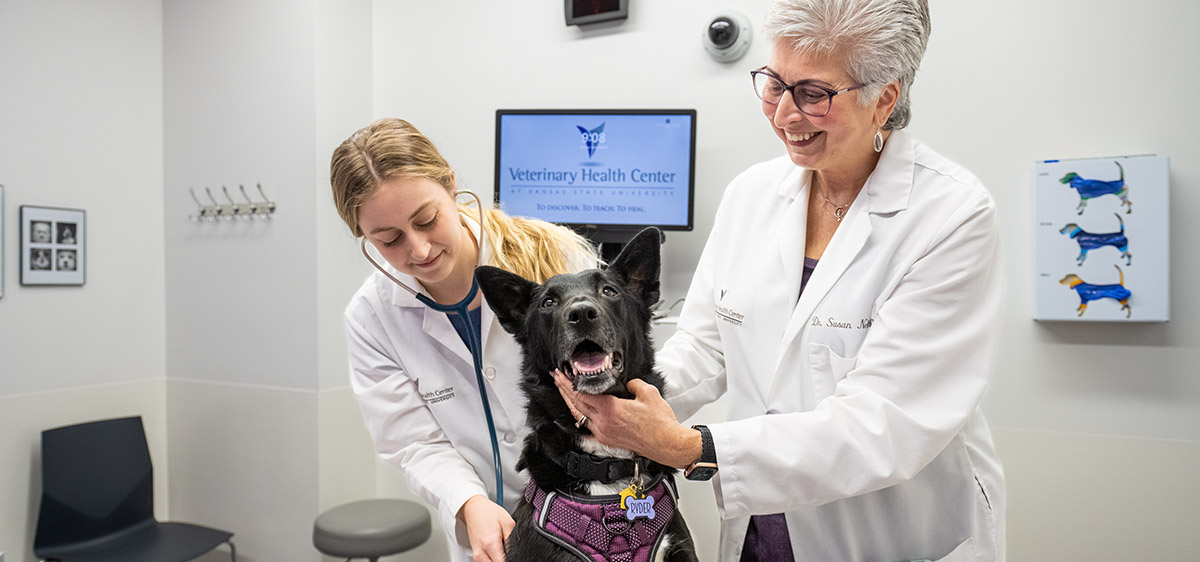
263,429
80,127
238,87
1004,85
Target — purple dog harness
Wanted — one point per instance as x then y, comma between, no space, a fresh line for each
597,529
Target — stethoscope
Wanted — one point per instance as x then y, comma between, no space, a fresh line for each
460,308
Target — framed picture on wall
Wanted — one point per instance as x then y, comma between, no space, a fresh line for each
53,246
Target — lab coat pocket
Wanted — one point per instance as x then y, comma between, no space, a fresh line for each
964,552
827,369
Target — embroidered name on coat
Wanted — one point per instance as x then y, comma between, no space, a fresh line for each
439,395
730,316
831,322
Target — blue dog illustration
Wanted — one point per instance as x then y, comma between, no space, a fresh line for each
1092,240
1089,189
1089,292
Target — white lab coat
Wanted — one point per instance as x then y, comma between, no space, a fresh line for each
416,385
855,409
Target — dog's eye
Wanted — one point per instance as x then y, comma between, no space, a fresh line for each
548,302
608,291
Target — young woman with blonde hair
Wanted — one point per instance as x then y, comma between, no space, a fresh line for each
411,369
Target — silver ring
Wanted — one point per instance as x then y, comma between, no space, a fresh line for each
581,422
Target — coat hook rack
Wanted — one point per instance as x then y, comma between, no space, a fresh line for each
231,210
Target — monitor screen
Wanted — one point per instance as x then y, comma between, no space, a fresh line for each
601,172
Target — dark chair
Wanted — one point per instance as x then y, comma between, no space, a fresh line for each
98,500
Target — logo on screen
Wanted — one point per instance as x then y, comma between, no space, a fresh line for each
591,139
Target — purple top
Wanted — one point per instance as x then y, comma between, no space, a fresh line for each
767,538
809,265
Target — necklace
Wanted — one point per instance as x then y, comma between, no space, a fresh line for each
839,211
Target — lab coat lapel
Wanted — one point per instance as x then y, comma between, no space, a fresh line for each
438,326
792,233
794,190
507,390
845,245
887,191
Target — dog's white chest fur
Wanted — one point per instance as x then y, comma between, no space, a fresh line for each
597,488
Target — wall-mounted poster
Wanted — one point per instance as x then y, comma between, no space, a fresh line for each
1101,239
53,245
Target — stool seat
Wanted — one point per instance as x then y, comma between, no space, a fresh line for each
371,528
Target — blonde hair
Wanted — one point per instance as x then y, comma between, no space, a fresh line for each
393,148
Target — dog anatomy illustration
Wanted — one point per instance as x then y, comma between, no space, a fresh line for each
1089,189
1089,292
1092,240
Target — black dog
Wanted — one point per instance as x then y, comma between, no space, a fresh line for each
593,326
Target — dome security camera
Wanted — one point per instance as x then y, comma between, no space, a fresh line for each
726,37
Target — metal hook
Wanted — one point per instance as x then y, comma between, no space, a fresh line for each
267,204
239,210
203,210
251,206
225,212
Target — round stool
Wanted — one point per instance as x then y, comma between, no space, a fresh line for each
371,528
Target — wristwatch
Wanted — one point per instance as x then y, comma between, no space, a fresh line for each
706,467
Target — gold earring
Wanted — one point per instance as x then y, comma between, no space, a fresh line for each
878,140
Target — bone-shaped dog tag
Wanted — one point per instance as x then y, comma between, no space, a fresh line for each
640,508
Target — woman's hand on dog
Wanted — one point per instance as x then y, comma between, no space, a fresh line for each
645,425
488,526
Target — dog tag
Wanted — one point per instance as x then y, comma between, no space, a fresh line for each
640,508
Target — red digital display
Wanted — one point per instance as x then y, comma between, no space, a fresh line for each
580,12
580,8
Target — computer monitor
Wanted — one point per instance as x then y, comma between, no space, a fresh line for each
607,173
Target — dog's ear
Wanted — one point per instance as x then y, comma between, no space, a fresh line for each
638,265
508,295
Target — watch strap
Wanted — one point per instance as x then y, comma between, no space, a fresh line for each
708,453
706,466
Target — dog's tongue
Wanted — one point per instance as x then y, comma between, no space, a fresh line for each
588,362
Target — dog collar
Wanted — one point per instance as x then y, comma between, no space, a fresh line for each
589,467
596,529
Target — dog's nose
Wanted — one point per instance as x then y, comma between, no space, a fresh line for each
581,313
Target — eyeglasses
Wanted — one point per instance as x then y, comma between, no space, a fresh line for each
811,99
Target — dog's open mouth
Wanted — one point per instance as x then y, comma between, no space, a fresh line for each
591,368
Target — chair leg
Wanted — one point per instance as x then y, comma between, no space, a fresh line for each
232,551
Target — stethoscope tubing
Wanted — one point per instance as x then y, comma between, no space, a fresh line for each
461,308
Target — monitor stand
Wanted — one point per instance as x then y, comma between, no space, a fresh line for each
612,241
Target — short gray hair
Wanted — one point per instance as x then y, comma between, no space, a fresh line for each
881,40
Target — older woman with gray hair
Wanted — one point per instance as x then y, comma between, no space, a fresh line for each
847,303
